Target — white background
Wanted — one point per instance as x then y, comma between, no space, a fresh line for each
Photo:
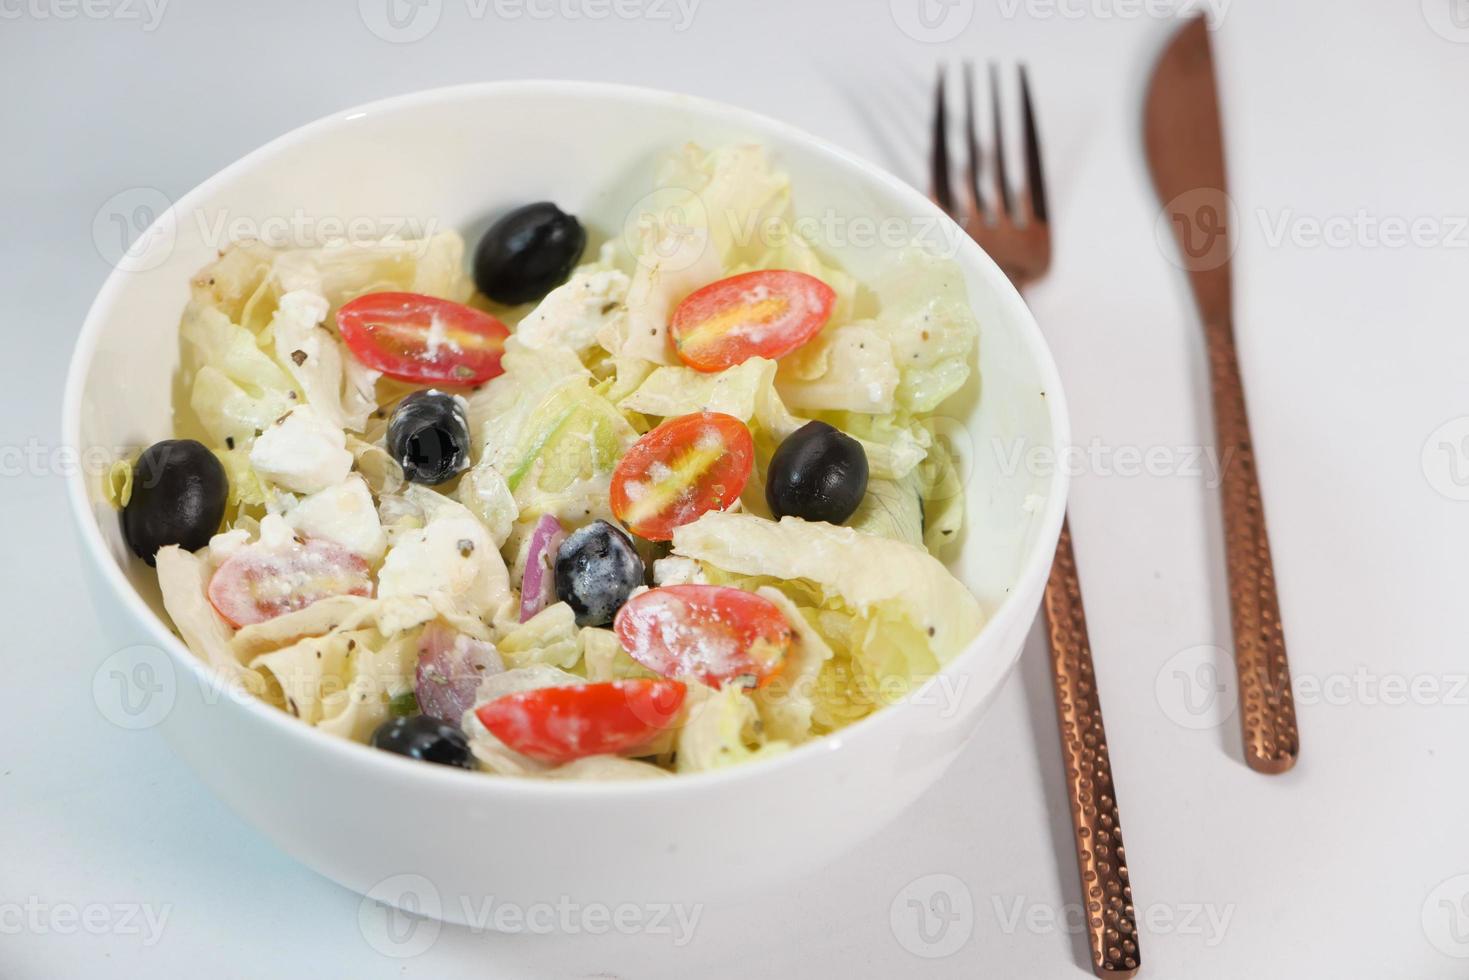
1347,115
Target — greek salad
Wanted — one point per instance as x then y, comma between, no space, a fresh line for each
670,505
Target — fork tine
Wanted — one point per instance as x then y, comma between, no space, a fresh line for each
1002,180
939,188
971,143
1035,178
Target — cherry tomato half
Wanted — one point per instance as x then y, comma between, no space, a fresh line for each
256,583
685,467
419,338
766,314
560,724
717,634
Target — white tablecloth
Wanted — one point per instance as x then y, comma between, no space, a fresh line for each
1346,136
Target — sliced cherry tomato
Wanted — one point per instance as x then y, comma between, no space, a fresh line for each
423,339
717,634
685,467
257,583
766,314
559,724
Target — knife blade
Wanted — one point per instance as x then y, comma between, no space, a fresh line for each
1184,145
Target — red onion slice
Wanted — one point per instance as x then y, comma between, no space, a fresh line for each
450,667
538,587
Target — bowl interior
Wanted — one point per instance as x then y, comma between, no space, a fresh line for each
456,158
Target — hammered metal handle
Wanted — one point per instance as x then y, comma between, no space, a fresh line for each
1267,706
1111,920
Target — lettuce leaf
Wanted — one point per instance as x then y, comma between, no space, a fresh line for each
238,389
911,354
891,509
549,434
720,728
787,702
866,575
549,637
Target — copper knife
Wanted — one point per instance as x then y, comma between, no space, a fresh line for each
1185,153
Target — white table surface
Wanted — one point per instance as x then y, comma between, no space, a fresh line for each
1354,348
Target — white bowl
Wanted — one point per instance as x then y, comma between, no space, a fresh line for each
438,840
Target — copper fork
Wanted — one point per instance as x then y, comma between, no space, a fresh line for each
1015,230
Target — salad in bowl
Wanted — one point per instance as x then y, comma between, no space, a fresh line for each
666,505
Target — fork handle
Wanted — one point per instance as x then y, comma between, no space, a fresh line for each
1106,890
1267,706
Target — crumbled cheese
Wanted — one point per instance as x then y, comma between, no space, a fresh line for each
675,570
343,514
302,452
433,561
275,533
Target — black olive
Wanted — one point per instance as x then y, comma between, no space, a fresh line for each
597,568
528,253
819,474
179,493
429,437
425,739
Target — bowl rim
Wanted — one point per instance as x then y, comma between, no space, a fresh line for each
347,754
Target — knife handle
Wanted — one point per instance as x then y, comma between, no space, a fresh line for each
1106,889
1267,706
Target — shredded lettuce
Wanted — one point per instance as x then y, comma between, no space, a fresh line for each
745,206
720,728
117,482
941,486
574,314
926,317
891,509
545,427
549,637
868,575
787,702
890,613
238,390
604,659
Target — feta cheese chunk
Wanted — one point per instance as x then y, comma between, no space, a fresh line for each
450,563
675,570
574,313
302,452
444,557
275,533
343,514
